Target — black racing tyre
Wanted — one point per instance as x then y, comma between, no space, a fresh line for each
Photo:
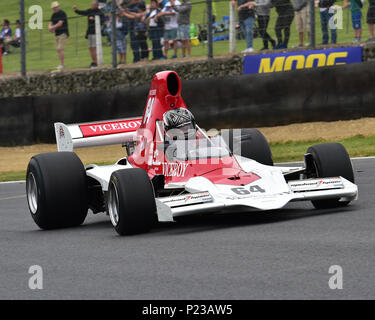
331,160
131,201
56,189
254,145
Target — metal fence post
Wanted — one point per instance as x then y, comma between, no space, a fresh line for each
113,34
312,24
23,38
209,29
41,44
76,38
232,28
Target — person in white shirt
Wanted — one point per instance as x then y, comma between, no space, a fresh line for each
169,16
16,41
155,30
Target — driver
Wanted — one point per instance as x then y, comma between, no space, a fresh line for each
179,124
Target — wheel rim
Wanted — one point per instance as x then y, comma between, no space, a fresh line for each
32,193
113,204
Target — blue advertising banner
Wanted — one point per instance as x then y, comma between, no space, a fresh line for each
285,61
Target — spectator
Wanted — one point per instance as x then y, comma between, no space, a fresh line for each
16,40
371,19
139,30
121,32
284,19
155,30
183,20
132,8
246,19
5,37
302,17
355,9
169,16
90,33
59,25
263,8
326,13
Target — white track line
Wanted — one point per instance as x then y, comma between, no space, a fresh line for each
13,197
12,182
356,158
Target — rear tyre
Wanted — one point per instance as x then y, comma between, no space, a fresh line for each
254,145
131,201
56,190
331,160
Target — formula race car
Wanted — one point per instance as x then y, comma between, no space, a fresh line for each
173,168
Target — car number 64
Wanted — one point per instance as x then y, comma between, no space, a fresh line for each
244,191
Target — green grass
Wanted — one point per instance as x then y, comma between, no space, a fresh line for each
41,53
13,176
357,146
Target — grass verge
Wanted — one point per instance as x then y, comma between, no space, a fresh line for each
357,146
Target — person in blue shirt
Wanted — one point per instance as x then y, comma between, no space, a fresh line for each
5,36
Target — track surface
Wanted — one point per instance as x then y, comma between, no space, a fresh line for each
283,254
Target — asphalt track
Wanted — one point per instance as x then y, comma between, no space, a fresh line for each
284,254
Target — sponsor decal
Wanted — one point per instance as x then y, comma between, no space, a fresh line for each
316,184
152,92
92,130
285,61
174,169
61,132
189,199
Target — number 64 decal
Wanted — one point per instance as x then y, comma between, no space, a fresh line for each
243,191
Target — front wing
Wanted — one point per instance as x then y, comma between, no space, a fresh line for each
222,198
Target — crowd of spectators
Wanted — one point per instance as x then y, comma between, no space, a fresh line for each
251,12
8,38
166,23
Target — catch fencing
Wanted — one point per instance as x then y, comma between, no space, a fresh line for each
214,31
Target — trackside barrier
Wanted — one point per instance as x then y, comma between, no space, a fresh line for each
343,92
285,61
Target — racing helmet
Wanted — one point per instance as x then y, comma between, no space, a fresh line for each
179,121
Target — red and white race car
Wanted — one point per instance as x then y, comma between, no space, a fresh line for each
175,168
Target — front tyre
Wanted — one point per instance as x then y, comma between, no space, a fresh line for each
131,201
331,160
56,190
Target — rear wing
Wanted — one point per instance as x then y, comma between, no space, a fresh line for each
81,135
